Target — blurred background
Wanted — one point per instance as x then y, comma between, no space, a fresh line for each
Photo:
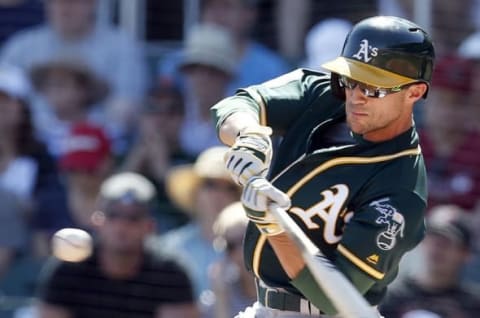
89,88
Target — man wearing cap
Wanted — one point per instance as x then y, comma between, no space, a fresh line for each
121,278
436,289
348,168
86,162
209,63
448,141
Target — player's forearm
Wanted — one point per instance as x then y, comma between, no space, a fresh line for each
292,262
233,124
233,114
288,254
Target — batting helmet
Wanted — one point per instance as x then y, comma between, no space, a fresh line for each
384,52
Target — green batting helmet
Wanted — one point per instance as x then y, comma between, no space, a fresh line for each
386,52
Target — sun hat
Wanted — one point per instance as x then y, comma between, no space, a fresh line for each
210,45
183,181
96,87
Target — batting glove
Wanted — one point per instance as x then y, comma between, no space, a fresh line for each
256,197
250,155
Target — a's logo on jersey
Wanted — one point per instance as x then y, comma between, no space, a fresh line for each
374,258
393,220
329,210
365,52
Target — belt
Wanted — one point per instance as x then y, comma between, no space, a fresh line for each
277,298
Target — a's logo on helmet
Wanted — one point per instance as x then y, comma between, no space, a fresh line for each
366,51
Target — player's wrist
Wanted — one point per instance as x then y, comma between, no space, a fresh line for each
260,130
270,229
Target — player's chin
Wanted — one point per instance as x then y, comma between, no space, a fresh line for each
356,126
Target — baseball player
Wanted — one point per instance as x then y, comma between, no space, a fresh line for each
348,167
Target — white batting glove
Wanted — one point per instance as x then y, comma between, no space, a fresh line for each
256,197
250,155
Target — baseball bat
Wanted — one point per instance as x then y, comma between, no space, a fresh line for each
341,292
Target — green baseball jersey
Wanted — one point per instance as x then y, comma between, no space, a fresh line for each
361,203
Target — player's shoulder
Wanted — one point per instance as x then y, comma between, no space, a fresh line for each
305,78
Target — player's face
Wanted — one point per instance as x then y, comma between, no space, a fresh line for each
379,119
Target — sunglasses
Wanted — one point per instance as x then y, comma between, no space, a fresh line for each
369,90
131,218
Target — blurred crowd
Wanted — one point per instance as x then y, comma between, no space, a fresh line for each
80,104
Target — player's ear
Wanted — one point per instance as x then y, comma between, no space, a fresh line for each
416,91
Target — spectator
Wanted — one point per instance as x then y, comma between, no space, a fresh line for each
470,49
437,291
471,273
202,190
233,285
157,146
84,165
256,63
71,27
121,278
71,90
292,19
449,144
27,171
209,64
324,40
13,231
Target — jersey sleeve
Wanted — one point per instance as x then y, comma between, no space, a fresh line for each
278,102
380,232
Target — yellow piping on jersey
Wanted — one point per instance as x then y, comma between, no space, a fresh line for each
359,263
257,253
348,160
263,110
327,165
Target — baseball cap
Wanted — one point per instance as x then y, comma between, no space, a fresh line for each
449,221
14,82
210,45
127,188
453,72
85,148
